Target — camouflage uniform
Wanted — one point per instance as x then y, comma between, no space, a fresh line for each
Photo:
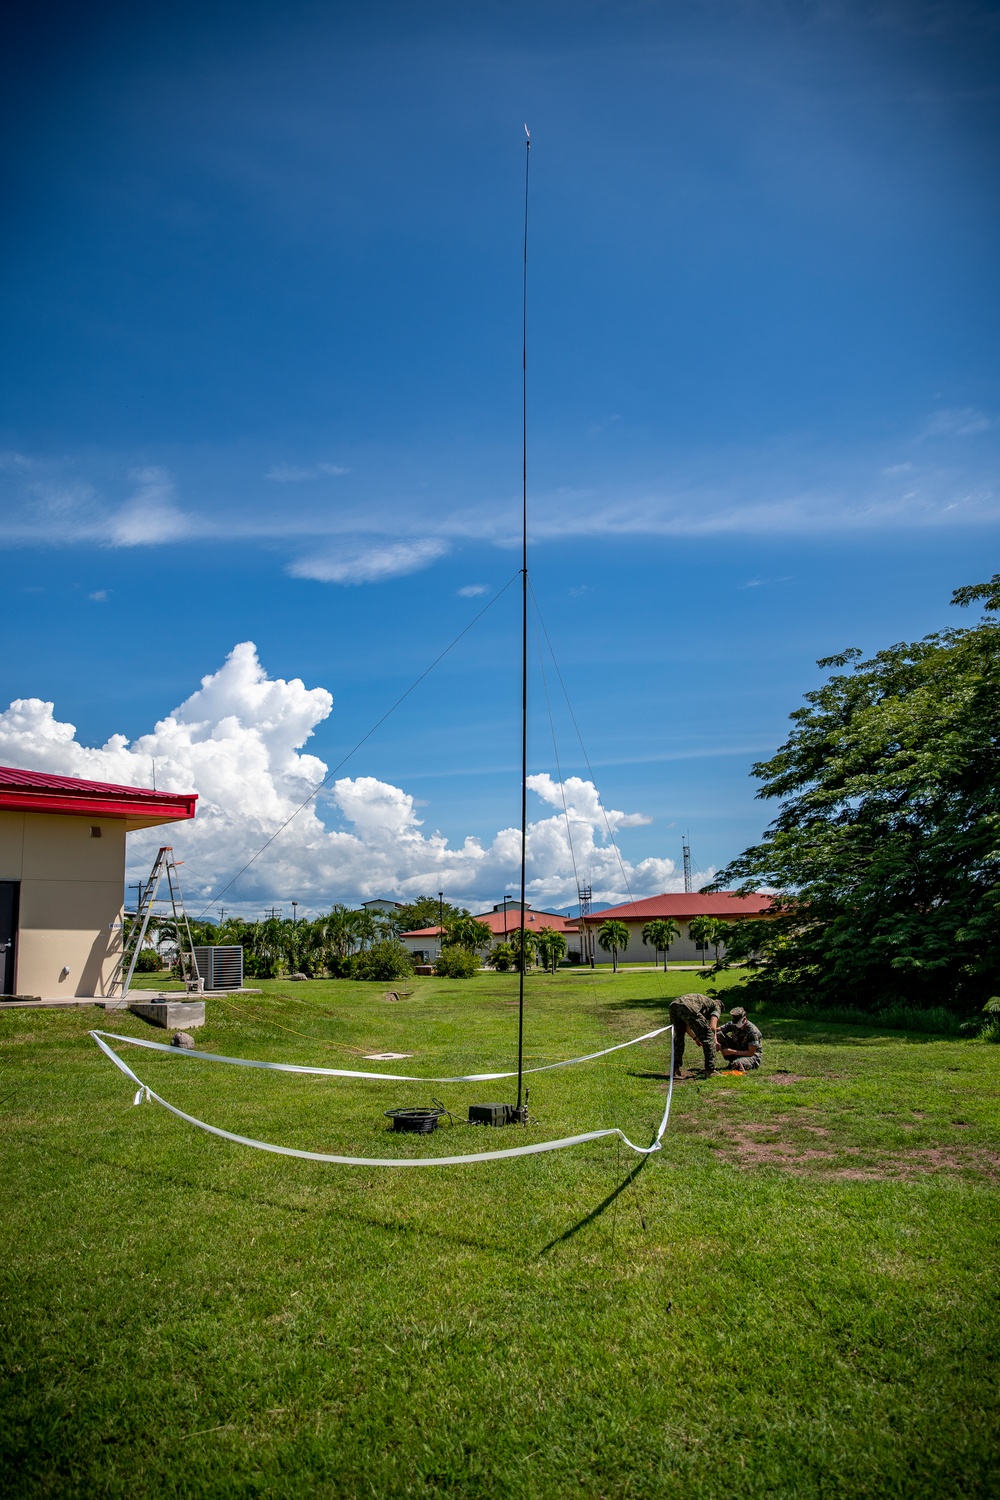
694,1011
741,1036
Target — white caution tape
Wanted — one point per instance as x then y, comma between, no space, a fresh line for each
249,1062
393,1161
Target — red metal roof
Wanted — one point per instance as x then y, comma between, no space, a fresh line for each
534,921
37,791
685,904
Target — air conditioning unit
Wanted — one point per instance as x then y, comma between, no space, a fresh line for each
220,968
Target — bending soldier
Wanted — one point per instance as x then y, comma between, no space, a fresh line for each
740,1043
696,1016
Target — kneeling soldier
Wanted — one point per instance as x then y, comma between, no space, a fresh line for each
740,1043
696,1016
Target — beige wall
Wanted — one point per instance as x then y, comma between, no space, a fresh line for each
69,929
682,949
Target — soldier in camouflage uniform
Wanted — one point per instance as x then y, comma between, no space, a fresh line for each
740,1043
696,1016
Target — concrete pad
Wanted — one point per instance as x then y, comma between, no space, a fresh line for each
173,1015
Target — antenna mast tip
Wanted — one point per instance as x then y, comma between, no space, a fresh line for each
527,132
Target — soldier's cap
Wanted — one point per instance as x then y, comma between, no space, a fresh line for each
738,1013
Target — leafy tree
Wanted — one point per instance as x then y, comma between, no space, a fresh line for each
425,912
385,959
551,946
456,962
747,941
886,851
660,933
613,936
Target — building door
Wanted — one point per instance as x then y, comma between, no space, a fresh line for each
9,892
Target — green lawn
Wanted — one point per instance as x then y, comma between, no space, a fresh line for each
797,1297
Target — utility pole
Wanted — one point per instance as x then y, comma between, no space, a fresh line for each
440,920
295,912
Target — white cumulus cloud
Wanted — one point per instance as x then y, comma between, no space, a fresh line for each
238,741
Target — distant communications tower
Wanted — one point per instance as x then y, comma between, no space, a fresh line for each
585,895
686,849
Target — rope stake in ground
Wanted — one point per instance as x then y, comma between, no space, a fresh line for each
144,1091
248,1062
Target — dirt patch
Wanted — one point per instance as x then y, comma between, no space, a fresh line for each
799,1162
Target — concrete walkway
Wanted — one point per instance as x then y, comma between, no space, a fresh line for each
117,1003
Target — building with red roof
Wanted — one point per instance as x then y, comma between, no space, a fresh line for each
681,907
424,943
62,877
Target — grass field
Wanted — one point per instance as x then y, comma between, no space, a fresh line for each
796,1297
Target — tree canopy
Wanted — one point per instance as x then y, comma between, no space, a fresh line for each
886,851
426,912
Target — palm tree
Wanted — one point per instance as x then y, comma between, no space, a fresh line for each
703,931
466,932
720,932
660,934
501,958
335,936
551,947
523,942
613,935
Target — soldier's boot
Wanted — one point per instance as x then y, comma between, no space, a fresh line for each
708,1052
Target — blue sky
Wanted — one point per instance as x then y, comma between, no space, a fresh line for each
260,302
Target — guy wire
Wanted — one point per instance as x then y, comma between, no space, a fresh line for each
583,748
555,747
355,748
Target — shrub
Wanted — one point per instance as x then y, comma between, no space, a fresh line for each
456,963
148,961
385,960
501,958
896,1017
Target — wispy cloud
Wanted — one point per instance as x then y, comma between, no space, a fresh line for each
150,515
760,583
472,590
297,473
99,596
964,421
778,491
369,563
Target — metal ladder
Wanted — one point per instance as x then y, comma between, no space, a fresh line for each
121,978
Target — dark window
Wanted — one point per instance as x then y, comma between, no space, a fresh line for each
95,832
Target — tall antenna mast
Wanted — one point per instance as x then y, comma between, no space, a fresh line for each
686,854
522,958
